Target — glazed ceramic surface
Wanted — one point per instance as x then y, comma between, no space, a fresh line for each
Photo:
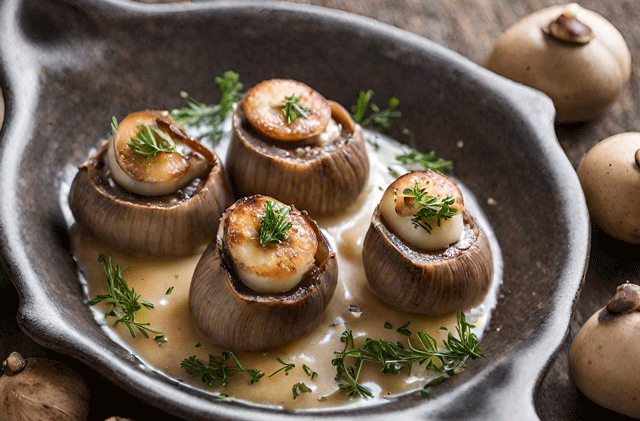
67,66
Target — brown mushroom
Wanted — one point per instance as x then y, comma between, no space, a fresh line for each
318,162
41,389
610,175
572,54
604,359
234,315
435,276
108,198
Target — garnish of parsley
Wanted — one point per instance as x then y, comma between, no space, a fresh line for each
274,224
123,301
430,207
292,108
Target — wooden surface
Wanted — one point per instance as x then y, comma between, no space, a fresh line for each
470,28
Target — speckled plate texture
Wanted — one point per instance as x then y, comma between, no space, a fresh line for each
67,66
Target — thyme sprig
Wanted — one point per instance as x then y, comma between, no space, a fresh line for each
219,370
275,224
150,141
430,207
123,301
393,358
114,124
292,108
286,367
367,113
428,161
210,118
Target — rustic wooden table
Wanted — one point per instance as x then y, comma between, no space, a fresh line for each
470,28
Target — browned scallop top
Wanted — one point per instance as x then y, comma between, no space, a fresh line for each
261,106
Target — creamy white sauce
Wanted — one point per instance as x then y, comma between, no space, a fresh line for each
153,277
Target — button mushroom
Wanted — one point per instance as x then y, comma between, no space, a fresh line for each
422,252
41,389
266,278
292,144
151,189
610,175
604,359
572,54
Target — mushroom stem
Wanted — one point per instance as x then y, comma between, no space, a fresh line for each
637,157
567,28
14,364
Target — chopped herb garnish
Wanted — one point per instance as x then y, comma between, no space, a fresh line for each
219,370
428,161
367,113
292,108
309,372
169,291
394,357
114,124
286,367
149,141
274,224
124,301
430,207
299,388
210,118
388,325
403,330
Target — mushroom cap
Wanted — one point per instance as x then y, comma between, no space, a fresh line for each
431,283
155,227
44,390
610,177
581,79
320,179
232,315
604,361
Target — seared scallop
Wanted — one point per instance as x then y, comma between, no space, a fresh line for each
292,144
165,200
254,290
423,253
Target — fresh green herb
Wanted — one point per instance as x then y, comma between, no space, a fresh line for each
219,370
286,367
274,224
149,141
393,172
367,113
210,118
292,108
123,301
388,325
394,358
309,372
299,388
198,345
403,330
114,124
428,161
169,291
431,207
161,339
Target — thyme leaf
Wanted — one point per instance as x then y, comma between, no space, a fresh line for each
219,369
428,161
431,207
210,118
150,141
292,108
274,224
393,358
367,113
309,372
299,388
114,124
123,301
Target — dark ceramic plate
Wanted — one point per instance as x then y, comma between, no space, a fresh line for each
66,67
